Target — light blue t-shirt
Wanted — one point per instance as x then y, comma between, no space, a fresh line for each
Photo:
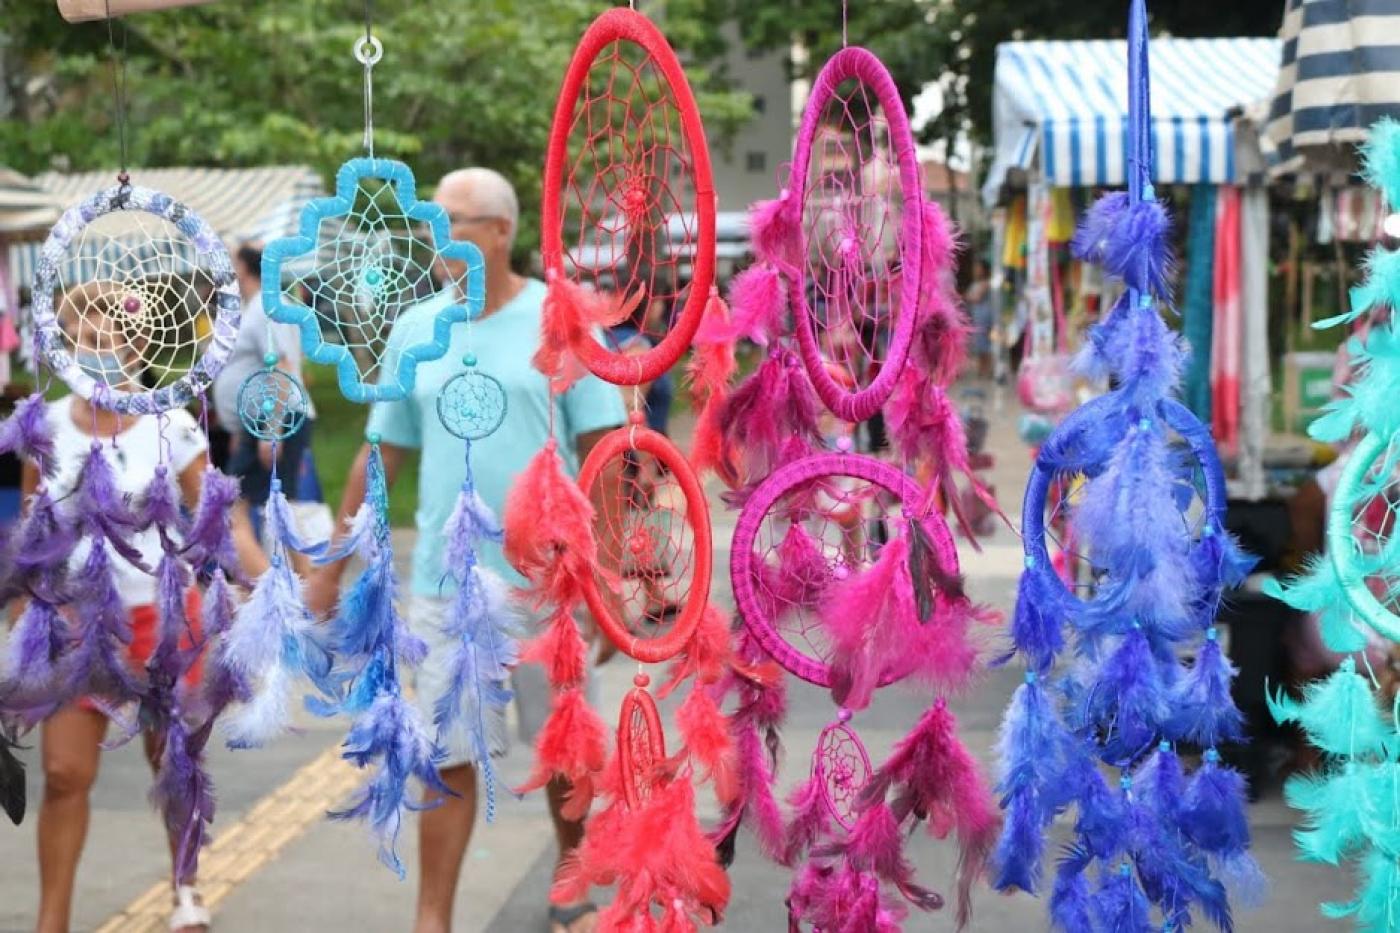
504,343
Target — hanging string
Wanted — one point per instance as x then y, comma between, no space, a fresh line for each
368,51
118,87
843,24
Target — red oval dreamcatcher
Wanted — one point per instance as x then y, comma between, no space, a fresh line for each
628,228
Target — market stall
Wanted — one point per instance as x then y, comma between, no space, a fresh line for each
1060,131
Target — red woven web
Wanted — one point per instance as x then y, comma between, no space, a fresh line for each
813,536
648,542
628,180
643,754
852,215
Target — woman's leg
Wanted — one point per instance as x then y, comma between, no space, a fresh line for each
72,740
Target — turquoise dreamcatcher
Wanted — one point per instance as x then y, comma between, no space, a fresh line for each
1351,805
354,281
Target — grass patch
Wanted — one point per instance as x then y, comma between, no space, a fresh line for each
340,430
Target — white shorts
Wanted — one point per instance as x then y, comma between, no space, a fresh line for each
528,684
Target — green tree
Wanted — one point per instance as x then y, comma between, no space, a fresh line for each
257,82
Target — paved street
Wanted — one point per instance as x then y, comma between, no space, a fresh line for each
278,866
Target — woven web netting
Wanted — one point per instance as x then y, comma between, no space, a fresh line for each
132,289
845,770
643,753
648,544
629,226
1374,504
852,214
370,266
816,534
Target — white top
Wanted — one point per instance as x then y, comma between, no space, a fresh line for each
133,457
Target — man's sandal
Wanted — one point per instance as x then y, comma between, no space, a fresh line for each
188,911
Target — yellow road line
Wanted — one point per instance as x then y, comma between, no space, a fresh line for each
251,844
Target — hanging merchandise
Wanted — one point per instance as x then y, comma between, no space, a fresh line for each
843,568
376,247
1227,341
1045,382
1197,308
1352,804
628,245
121,292
1098,735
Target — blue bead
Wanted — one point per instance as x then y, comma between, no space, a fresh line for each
469,359
1164,746
1030,561
372,437
1212,633
269,359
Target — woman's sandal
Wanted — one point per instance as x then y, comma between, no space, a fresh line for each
188,911
564,918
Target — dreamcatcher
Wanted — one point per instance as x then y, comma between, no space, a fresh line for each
839,609
1149,518
135,309
1352,804
374,247
628,210
843,570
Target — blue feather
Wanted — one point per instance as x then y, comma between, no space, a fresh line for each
1121,906
1102,825
1038,620
1160,784
391,733
1022,843
1213,813
1203,711
1129,699
1071,902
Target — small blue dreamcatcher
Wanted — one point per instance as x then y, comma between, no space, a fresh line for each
472,406
358,281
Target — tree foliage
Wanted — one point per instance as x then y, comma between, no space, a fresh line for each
954,41
258,82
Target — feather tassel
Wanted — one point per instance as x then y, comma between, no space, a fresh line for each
28,434
572,745
549,531
1203,712
757,299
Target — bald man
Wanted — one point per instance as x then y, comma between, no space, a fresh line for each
483,209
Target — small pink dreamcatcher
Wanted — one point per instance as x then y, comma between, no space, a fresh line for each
821,594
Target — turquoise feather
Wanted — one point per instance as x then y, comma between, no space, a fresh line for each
1335,803
1317,590
1381,158
1339,714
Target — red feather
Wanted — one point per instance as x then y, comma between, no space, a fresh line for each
560,649
705,733
548,524
573,745
708,653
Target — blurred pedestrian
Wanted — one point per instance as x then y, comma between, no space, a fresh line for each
259,342
483,209
981,309
73,736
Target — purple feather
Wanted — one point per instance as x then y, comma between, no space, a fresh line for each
97,665
103,512
1203,711
1121,906
184,794
28,434
1213,813
390,733
1130,242
168,662
209,539
1145,355
42,548
810,821
222,685
159,505
36,644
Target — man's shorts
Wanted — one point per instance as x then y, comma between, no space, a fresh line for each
528,684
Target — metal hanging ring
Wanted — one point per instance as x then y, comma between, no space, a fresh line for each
368,50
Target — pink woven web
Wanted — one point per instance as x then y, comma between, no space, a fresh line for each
838,521
629,176
852,216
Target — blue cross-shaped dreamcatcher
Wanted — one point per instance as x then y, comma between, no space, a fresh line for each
356,280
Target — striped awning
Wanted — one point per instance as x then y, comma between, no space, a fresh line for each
240,204
1340,74
1064,107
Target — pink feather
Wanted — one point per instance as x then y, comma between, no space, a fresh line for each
773,408
927,428
934,777
774,228
810,821
757,299
757,806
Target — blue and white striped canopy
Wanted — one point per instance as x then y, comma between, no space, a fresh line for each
1064,106
1340,74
